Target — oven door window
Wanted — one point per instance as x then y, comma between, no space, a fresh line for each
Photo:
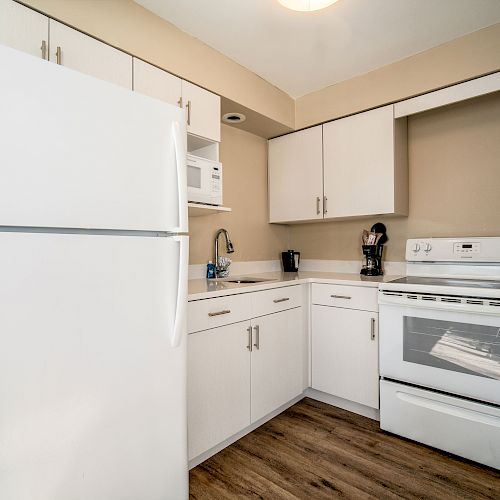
449,345
194,177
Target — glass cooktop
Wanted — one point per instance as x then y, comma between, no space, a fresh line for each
462,283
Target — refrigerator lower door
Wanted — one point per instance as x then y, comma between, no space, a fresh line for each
78,152
92,391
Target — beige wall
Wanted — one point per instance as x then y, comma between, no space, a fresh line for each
461,59
128,26
244,159
454,160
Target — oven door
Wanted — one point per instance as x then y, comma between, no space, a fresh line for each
451,347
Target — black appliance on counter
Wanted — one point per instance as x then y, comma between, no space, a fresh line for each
373,253
291,260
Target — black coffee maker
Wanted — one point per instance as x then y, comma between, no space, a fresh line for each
373,253
291,260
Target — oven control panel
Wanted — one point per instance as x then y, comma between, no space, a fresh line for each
481,249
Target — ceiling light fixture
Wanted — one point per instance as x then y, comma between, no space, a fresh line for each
234,118
306,5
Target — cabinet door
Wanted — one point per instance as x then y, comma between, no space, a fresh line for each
218,385
296,176
88,55
359,164
277,361
155,82
23,29
345,354
203,111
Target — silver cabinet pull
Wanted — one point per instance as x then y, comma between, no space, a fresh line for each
219,313
43,48
249,345
325,207
318,209
257,337
188,107
346,297
58,55
179,102
372,336
284,299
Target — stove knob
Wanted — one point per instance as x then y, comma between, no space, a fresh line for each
416,248
427,247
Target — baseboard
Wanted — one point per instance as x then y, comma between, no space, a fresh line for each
219,447
365,411
345,404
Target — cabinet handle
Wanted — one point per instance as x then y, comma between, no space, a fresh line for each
179,102
372,335
219,313
188,107
43,48
58,55
325,207
284,299
346,297
318,201
249,345
257,337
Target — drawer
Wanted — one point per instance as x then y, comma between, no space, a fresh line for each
276,299
211,313
351,297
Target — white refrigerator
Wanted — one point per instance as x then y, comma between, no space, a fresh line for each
93,288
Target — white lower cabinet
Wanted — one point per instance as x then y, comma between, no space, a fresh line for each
218,385
345,353
241,372
276,361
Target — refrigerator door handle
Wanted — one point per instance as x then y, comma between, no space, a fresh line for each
181,305
181,162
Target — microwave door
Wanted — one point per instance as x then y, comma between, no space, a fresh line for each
199,181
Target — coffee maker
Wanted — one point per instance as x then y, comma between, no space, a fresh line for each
373,253
291,260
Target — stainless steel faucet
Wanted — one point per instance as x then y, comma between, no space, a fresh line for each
229,248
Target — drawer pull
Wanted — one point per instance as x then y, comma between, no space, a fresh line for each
346,297
219,313
372,336
284,299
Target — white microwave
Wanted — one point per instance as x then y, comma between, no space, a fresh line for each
204,179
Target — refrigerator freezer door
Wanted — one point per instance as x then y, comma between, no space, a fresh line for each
78,152
92,393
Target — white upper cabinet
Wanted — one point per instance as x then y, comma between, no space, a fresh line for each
155,82
23,29
365,168
202,111
295,167
83,53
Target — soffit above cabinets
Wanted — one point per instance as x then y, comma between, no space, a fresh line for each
303,52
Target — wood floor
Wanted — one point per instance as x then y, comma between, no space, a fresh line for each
314,451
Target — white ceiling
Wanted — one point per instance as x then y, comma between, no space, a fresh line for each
301,52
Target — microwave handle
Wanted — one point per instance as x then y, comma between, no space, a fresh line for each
180,160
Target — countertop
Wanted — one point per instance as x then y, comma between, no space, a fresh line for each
204,289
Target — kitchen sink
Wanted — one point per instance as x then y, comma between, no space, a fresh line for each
245,279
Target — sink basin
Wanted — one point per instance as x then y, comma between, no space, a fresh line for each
245,279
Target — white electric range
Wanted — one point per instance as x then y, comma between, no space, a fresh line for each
440,347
